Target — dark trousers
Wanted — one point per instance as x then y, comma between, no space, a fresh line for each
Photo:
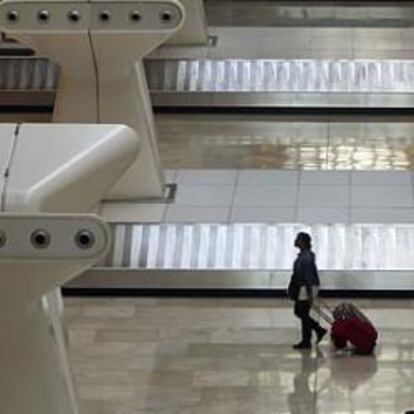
302,309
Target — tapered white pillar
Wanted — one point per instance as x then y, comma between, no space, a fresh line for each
35,375
99,47
119,47
59,168
194,31
46,27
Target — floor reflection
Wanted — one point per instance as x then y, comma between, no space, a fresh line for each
344,373
350,371
213,143
302,399
232,356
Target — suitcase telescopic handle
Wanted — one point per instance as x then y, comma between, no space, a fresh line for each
323,310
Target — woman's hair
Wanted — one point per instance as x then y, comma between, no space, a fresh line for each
305,238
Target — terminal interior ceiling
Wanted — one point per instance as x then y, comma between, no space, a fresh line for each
267,118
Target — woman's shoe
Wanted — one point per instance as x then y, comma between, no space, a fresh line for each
320,334
302,345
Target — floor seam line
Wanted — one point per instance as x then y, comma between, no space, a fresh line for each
233,196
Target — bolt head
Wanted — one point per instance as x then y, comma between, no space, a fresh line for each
43,16
13,16
74,16
135,16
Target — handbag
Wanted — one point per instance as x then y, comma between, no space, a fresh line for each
293,288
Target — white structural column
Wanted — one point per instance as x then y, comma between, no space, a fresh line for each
55,168
64,168
195,29
35,376
7,140
45,27
99,47
123,93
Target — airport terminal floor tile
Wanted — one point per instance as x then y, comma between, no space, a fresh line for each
202,356
298,43
237,142
277,196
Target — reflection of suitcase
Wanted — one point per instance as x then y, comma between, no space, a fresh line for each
349,324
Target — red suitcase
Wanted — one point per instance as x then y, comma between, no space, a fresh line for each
349,325
362,335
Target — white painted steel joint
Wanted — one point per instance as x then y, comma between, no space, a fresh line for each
126,16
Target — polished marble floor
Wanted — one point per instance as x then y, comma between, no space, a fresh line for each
307,13
204,356
299,43
277,196
267,142
233,168
271,169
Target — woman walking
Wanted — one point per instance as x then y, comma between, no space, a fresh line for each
303,289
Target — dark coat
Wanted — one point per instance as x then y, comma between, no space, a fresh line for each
305,273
